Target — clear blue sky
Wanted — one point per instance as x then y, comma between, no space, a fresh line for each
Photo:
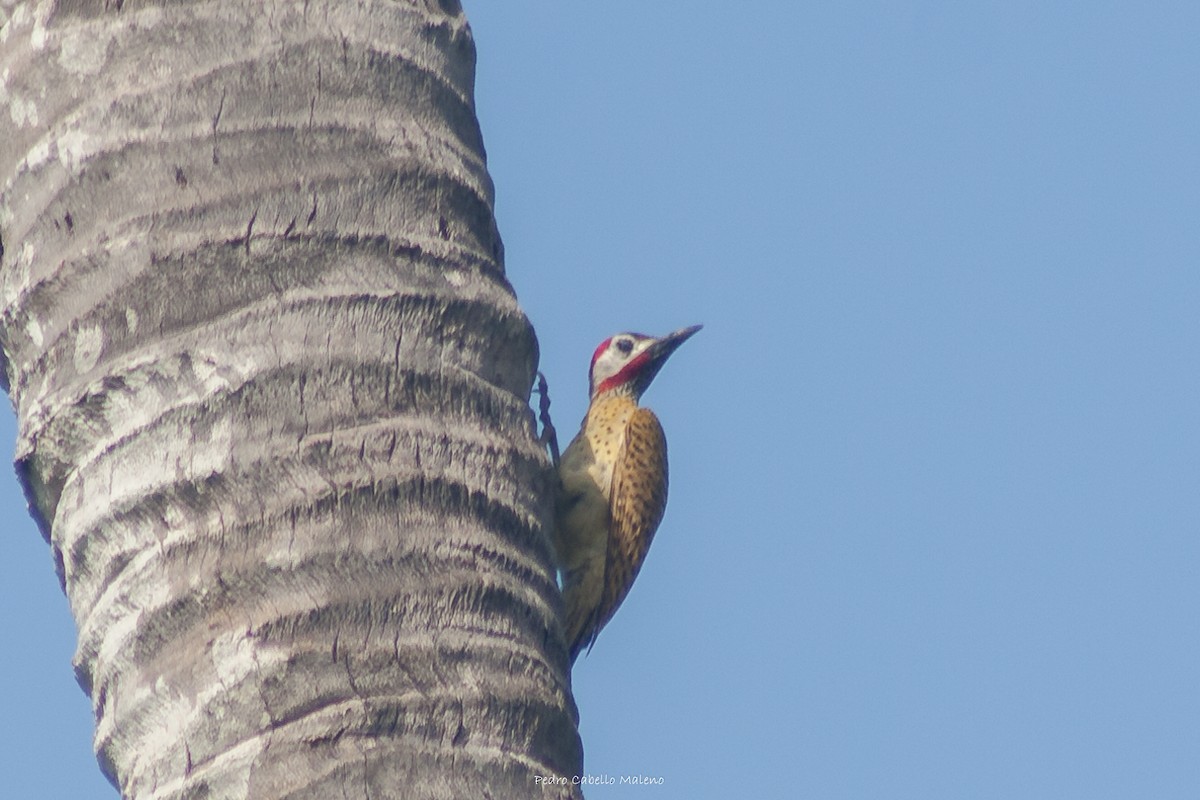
933,529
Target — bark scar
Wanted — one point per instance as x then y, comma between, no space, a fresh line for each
216,157
250,229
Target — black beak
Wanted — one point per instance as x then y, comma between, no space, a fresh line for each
660,351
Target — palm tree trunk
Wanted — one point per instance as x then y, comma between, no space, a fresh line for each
271,387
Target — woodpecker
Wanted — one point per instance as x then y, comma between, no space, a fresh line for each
612,484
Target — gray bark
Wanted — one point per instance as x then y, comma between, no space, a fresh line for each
271,388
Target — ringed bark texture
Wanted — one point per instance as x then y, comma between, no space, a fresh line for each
272,394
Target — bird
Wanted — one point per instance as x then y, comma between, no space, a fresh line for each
612,484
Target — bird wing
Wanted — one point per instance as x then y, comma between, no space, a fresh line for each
638,500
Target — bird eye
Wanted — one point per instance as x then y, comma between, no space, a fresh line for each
625,346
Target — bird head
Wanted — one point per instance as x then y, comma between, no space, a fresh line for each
628,362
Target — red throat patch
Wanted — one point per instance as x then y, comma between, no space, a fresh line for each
625,373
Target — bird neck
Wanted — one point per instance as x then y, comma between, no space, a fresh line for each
607,405
622,392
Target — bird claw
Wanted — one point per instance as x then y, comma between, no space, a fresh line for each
549,437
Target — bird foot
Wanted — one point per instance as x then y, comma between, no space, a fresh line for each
549,437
